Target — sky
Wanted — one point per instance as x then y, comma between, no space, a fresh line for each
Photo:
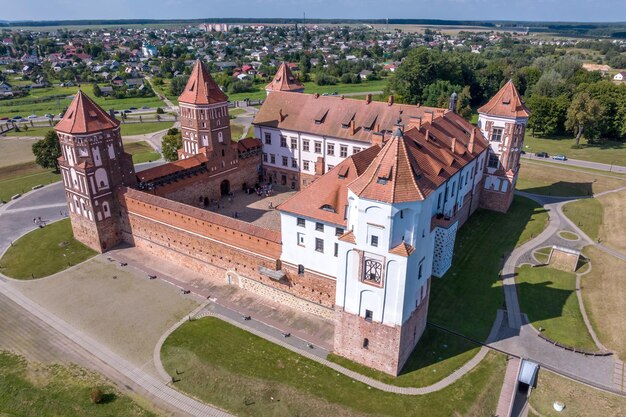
534,10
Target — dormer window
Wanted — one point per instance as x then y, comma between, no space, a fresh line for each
328,207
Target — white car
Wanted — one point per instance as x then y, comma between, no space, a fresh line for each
32,116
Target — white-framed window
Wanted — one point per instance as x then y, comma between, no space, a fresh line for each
494,161
305,145
318,147
301,222
343,151
319,245
268,138
283,141
356,149
496,134
294,143
294,163
305,165
285,161
272,158
264,157
330,149
300,240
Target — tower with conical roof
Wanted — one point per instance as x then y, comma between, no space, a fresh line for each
94,165
503,122
204,120
284,80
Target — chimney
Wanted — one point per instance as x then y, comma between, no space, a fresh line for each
281,115
414,122
390,100
470,148
428,117
368,98
427,134
453,147
342,96
352,127
377,139
378,127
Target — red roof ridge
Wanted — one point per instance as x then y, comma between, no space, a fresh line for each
403,249
506,102
85,116
201,88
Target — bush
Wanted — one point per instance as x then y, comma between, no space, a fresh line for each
96,396
325,79
160,110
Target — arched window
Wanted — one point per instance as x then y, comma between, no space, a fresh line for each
300,269
220,137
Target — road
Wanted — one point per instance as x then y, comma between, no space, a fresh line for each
580,163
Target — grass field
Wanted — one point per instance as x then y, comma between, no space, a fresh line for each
18,179
130,129
542,254
141,152
30,131
54,248
548,297
472,280
14,151
33,389
586,214
604,292
249,376
236,111
580,400
54,99
608,152
548,180
613,229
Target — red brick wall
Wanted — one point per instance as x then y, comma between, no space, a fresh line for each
497,200
388,348
101,237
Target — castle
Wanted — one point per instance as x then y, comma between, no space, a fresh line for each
383,188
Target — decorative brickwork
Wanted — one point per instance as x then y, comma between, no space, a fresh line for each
444,249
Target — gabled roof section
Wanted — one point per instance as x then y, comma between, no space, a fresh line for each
84,116
285,81
507,103
325,198
393,177
201,88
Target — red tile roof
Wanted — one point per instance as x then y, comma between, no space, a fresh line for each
201,88
85,116
248,144
326,197
333,115
160,171
403,249
507,103
285,81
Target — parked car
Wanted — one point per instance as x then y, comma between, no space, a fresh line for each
17,117
146,107
48,115
132,108
32,116
542,155
5,118
128,111
560,157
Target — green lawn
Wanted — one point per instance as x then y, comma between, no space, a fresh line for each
472,280
543,254
141,152
548,297
236,112
130,129
53,247
164,90
19,179
32,389
586,214
31,131
249,376
54,99
544,179
607,152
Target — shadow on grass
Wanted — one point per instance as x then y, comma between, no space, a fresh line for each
562,189
108,398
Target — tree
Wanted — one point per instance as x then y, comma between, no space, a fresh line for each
96,90
581,115
544,117
178,85
170,144
47,151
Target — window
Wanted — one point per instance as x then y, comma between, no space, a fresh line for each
294,143
343,151
305,165
366,343
318,147
272,158
268,138
369,315
285,161
300,269
372,270
319,245
283,141
305,145
339,231
356,150
264,157
374,241
294,163
330,149
420,270
496,134
336,249
494,161
319,227
301,222
300,239
329,167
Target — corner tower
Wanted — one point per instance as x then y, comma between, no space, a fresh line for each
284,80
503,122
204,121
94,165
